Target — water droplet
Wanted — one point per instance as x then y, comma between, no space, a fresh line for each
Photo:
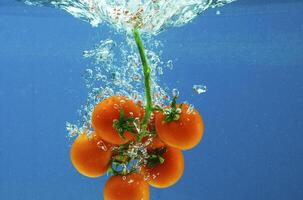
199,89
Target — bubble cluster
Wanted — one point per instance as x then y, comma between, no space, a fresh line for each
116,70
151,16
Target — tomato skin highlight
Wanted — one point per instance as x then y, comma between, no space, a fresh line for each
107,111
132,187
88,158
184,133
166,174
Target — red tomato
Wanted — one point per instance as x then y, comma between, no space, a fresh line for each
183,133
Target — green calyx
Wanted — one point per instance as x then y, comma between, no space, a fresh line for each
156,157
120,161
124,124
172,113
119,169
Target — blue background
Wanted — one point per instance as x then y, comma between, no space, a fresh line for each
250,57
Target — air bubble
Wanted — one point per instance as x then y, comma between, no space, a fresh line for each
175,92
135,95
88,75
100,77
199,89
137,77
170,64
101,145
190,109
116,106
147,176
88,54
160,70
72,129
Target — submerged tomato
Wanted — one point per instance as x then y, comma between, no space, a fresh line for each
107,112
129,187
169,172
183,133
88,157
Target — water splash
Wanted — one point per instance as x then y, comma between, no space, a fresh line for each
151,16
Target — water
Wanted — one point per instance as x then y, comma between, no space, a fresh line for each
116,69
152,16
249,57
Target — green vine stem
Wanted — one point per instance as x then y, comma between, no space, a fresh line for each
147,84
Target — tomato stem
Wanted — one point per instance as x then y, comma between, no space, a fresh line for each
147,83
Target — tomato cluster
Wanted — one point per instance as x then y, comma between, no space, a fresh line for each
156,150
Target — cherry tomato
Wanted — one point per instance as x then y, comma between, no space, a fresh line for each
183,133
90,156
129,187
109,111
168,173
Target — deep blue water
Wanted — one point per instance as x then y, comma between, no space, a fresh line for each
250,57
